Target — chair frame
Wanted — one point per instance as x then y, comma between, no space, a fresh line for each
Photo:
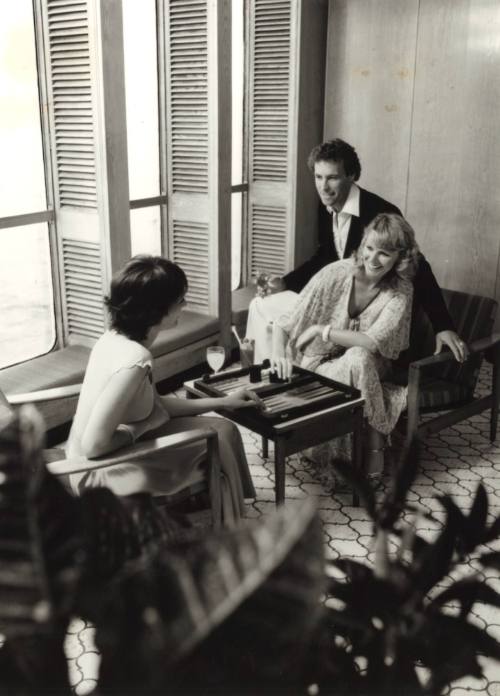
139,450
459,411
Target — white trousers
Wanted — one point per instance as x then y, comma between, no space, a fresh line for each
262,313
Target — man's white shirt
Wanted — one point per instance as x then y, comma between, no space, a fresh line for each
341,221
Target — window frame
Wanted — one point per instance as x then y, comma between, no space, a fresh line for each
48,215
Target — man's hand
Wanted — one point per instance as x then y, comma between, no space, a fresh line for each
309,335
454,342
269,284
242,398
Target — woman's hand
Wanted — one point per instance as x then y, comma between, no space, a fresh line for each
454,343
242,398
282,366
308,335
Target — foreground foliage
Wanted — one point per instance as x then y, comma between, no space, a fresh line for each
256,610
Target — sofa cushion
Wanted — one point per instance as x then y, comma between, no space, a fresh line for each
191,328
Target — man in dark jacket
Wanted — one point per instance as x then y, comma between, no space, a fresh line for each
345,212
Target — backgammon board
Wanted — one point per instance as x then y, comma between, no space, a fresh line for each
304,393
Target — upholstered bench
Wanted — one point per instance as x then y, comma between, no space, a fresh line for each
174,350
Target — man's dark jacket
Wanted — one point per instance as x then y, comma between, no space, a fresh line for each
427,292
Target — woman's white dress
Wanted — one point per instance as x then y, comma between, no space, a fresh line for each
164,473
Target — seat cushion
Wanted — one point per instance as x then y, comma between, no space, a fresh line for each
55,369
191,328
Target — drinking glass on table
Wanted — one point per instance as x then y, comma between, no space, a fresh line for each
215,357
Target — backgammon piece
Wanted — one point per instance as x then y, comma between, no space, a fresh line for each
254,373
274,379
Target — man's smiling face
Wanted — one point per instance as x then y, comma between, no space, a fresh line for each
332,183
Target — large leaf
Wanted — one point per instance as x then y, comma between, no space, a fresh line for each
238,607
40,561
467,592
493,532
406,472
475,523
451,646
434,561
40,548
490,560
358,481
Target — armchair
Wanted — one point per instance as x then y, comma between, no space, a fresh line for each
437,383
61,467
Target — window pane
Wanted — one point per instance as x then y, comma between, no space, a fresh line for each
145,230
22,178
26,301
237,48
141,85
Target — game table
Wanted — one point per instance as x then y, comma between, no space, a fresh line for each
305,411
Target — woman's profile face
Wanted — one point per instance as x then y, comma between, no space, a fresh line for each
172,318
377,261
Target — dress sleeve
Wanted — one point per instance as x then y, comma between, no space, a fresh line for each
314,302
391,330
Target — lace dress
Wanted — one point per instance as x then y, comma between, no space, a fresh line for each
386,320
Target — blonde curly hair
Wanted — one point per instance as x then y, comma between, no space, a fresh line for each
393,233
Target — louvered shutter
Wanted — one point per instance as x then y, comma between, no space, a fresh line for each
198,154
271,126
286,69
87,200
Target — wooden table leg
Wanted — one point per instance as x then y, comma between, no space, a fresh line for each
357,448
265,447
279,471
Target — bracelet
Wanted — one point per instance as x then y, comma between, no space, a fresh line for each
326,333
127,429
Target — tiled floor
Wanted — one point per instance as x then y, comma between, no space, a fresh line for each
452,462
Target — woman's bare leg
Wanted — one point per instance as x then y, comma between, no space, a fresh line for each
374,443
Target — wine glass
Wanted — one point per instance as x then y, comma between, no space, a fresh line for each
215,357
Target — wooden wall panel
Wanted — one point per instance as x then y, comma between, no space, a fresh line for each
369,84
454,174
311,96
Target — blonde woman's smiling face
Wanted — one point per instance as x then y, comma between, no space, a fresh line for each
377,261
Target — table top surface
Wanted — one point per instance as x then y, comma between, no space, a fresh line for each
306,398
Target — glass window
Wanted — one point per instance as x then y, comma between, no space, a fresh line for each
237,73
26,300
22,177
145,230
141,88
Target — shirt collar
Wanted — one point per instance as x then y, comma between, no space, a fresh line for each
351,205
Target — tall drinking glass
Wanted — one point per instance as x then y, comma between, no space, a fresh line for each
215,357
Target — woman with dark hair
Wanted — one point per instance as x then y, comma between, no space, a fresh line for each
118,402
351,320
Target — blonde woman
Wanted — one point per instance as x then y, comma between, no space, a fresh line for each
352,319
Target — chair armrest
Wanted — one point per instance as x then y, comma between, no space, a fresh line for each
44,395
478,346
76,465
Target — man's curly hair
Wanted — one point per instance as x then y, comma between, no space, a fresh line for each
336,150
